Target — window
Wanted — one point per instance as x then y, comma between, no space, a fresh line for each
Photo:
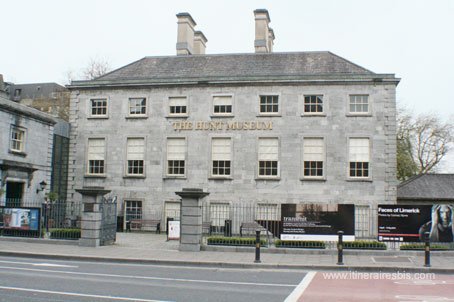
221,156
359,104
17,93
313,157
176,155
267,212
359,157
17,139
313,104
178,106
219,213
96,156
133,209
269,104
268,157
98,107
137,106
135,156
222,105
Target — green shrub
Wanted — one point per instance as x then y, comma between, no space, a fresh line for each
421,246
233,241
65,234
364,245
300,244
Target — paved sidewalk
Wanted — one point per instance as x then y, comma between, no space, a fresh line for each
151,248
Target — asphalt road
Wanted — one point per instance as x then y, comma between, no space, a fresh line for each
30,279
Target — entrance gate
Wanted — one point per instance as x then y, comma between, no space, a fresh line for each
108,209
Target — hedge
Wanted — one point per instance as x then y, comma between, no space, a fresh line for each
233,241
364,245
420,247
300,244
73,234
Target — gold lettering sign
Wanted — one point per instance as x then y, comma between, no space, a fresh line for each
217,126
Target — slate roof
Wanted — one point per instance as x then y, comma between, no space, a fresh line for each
35,90
237,67
16,108
427,187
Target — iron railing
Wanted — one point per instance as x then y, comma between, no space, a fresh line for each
58,219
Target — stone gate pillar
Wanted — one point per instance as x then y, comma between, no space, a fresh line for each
91,223
191,219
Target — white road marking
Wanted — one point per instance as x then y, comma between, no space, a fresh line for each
38,264
299,290
422,298
76,294
54,265
146,277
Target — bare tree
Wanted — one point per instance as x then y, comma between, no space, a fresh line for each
422,143
432,139
96,67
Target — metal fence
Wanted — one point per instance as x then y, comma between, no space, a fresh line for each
222,220
57,219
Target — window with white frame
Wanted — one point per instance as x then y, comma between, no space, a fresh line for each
221,154
268,157
313,104
267,212
98,107
219,213
359,104
17,142
135,156
133,209
178,106
359,157
137,106
176,156
313,157
269,104
96,156
222,105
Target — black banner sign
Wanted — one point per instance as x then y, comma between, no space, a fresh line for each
317,221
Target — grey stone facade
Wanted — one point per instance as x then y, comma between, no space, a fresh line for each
22,171
200,78
335,126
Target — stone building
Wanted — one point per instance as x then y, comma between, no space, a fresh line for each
26,140
51,98
261,128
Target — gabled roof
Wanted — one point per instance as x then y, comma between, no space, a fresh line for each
427,187
322,65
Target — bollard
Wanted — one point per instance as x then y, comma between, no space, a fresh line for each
427,250
257,246
340,249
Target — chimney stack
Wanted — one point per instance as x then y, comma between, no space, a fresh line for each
185,37
264,35
199,43
2,84
270,39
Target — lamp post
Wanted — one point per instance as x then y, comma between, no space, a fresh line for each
46,205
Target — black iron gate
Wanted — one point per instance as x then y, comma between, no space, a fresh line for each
108,208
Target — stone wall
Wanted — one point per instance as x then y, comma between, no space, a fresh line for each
336,126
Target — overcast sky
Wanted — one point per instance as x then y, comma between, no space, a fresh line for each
43,40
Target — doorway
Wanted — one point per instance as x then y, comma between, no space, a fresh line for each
14,193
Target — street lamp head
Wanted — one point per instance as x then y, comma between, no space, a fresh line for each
42,186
